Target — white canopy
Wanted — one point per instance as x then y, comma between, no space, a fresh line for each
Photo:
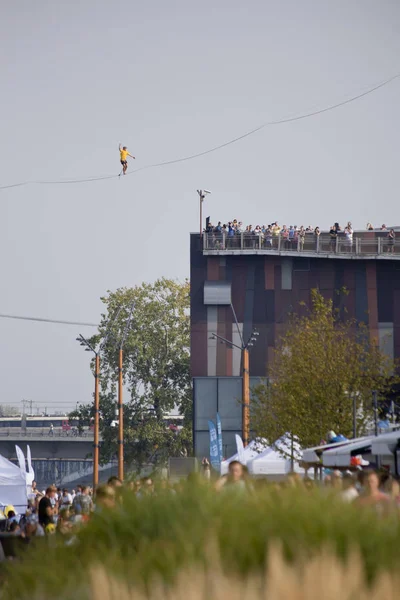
313,455
14,481
276,460
248,453
385,444
341,456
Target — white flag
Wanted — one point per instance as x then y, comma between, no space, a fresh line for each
240,449
21,460
31,472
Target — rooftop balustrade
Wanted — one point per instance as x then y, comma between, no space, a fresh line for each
364,244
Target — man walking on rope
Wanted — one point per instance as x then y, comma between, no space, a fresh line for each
123,152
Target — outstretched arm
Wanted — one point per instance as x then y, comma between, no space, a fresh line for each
120,147
130,155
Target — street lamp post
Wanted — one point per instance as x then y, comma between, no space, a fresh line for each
120,418
202,195
96,433
96,446
120,399
244,349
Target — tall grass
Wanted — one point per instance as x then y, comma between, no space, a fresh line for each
322,578
162,537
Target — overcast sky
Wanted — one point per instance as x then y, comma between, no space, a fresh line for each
170,79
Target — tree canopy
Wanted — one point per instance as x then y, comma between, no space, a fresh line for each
321,365
155,370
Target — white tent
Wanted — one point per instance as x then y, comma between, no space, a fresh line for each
247,454
276,460
342,455
313,455
12,485
385,444
15,481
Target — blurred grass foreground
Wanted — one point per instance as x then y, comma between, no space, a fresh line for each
273,543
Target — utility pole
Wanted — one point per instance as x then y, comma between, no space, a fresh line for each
96,445
245,397
244,348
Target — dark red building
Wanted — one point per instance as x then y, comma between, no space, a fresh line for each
267,284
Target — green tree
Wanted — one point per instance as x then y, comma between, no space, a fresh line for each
320,366
9,411
155,368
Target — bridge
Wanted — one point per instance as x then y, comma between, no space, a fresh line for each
63,458
46,445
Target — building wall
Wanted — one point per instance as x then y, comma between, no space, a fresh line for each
265,290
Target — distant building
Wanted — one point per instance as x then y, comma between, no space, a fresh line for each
266,284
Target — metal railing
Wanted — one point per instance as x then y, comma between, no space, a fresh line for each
362,243
37,432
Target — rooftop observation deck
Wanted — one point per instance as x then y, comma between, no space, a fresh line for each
364,245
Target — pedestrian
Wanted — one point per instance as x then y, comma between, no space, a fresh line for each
66,498
391,237
123,154
349,236
32,528
302,236
371,494
268,238
105,498
317,233
46,509
333,238
236,478
349,492
83,504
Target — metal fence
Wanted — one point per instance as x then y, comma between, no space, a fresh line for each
362,243
37,432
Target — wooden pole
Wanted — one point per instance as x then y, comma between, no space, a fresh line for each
120,420
245,397
96,423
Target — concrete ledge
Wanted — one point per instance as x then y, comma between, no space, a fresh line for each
304,254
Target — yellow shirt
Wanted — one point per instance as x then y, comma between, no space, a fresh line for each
123,154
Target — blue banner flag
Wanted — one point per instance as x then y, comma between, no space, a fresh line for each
214,454
219,437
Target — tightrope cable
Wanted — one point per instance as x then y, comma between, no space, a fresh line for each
215,148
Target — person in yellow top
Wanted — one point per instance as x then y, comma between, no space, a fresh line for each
123,152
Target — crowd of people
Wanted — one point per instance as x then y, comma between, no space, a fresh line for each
363,487
289,237
56,511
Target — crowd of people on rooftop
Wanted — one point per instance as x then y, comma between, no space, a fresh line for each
285,237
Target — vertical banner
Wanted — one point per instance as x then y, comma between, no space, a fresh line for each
219,436
214,453
240,449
